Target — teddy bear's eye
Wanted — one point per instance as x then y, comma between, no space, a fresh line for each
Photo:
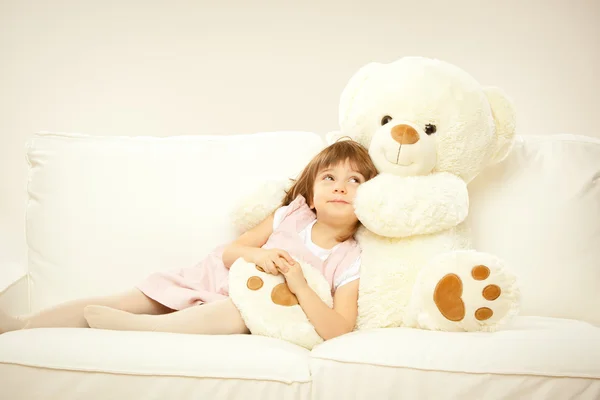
385,120
430,129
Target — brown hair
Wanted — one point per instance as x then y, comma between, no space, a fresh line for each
338,152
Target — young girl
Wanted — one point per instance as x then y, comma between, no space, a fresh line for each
316,222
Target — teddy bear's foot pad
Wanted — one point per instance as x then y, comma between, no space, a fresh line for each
449,290
269,308
465,290
280,295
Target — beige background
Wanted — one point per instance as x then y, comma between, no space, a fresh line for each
198,67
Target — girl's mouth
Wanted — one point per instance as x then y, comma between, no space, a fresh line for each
339,201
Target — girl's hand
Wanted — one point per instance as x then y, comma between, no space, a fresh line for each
273,260
294,277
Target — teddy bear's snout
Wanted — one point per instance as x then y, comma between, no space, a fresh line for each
405,134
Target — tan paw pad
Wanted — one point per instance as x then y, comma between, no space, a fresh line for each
483,313
281,295
254,283
447,297
480,272
491,292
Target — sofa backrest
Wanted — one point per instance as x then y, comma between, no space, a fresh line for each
540,211
105,211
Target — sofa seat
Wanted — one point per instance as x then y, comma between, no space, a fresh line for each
103,212
533,358
59,363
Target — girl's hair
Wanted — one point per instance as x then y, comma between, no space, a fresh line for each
340,151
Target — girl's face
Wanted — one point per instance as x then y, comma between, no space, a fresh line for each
334,191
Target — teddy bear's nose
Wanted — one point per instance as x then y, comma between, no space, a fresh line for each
405,134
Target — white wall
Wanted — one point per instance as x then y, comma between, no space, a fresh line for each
191,67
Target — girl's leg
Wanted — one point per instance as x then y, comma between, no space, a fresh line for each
70,314
8,323
217,318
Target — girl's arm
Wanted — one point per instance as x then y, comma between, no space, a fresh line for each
330,323
249,244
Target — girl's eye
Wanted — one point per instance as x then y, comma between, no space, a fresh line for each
355,180
328,178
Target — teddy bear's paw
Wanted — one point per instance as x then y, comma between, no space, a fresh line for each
280,294
449,291
254,205
269,308
467,291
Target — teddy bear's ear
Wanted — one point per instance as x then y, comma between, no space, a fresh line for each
352,89
505,121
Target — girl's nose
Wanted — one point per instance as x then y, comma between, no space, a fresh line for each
339,188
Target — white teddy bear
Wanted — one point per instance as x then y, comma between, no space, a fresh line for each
430,129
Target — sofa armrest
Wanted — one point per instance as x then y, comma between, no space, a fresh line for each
14,289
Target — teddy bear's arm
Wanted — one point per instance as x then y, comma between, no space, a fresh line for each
394,206
252,208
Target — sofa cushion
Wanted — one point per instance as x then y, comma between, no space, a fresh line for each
532,357
65,363
103,212
539,210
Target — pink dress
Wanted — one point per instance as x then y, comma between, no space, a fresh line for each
209,280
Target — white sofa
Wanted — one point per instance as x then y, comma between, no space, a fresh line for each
103,212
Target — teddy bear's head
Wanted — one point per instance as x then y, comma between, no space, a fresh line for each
418,115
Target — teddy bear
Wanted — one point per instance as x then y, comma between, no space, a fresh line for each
430,129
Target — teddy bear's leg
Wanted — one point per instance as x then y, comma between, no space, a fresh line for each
464,290
267,306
